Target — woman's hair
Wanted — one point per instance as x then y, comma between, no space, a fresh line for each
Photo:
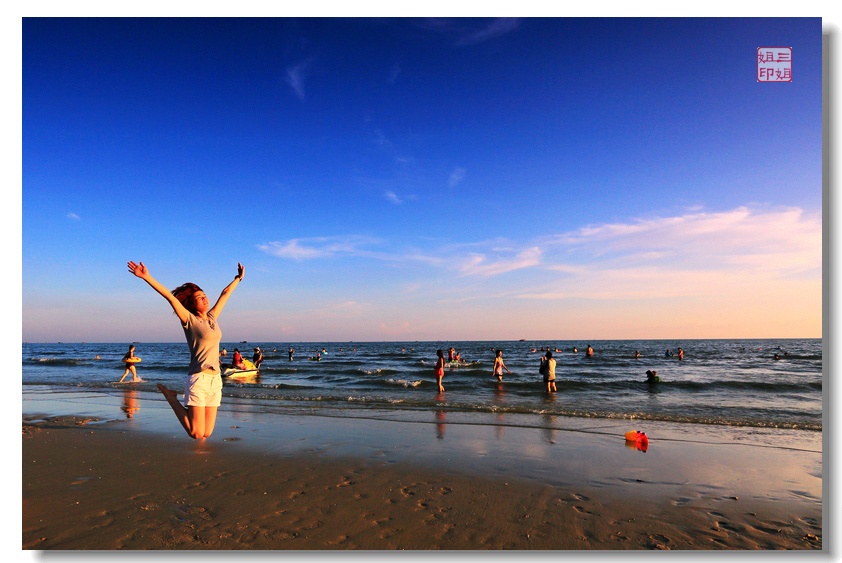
184,293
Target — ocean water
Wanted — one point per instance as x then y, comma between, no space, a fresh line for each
719,383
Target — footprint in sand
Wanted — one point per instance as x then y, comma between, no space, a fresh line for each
341,539
660,538
103,519
658,545
390,533
282,535
187,512
407,492
773,528
725,525
423,505
810,521
199,485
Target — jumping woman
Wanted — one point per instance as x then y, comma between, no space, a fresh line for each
203,389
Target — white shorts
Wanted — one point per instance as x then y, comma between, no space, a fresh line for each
203,390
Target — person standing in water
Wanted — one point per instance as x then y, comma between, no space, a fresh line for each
547,369
203,388
499,366
130,360
440,370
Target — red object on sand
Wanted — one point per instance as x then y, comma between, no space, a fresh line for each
638,438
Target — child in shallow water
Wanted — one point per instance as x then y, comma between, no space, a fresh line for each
499,366
440,370
130,360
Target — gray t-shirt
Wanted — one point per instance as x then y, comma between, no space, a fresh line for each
203,337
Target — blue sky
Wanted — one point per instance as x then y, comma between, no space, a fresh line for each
422,179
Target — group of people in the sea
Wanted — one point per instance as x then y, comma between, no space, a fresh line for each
237,360
546,367
575,350
669,354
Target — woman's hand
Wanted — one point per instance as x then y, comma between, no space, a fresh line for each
138,269
240,271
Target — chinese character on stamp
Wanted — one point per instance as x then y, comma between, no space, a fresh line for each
774,64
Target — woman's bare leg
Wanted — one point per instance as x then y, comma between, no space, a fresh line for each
210,420
192,419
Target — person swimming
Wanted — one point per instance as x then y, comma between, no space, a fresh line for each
652,376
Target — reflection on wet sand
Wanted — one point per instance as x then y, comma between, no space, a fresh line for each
440,416
130,403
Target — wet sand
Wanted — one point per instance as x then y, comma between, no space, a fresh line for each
309,482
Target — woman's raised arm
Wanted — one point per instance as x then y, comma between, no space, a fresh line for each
141,271
229,289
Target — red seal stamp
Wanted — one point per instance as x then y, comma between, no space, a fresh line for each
774,64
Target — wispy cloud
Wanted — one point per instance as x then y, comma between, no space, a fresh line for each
496,28
385,144
381,140
738,256
456,177
783,239
471,31
295,77
480,265
698,254
320,247
73,216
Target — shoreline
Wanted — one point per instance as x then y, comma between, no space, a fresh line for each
366,483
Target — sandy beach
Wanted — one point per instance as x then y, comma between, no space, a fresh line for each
96,479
